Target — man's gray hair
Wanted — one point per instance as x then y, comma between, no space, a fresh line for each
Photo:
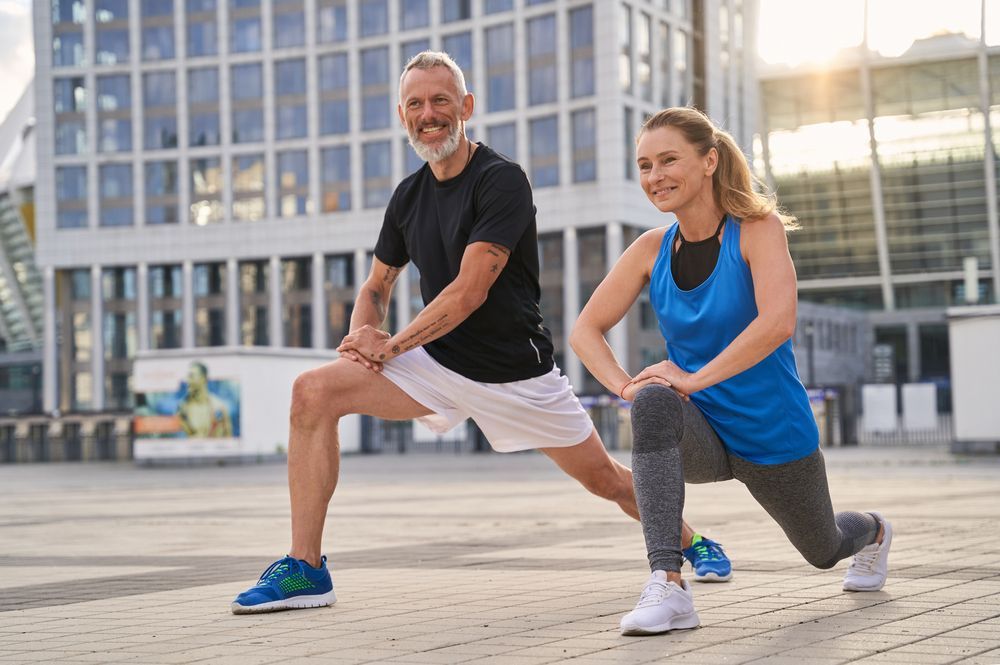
430,59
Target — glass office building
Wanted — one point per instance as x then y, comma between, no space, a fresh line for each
214,172
890,163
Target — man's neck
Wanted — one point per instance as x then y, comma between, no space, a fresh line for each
455,163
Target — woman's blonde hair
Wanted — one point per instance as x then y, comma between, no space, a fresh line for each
735,188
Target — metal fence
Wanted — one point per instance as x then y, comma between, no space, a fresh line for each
66,439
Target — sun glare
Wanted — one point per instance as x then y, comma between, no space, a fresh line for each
793,32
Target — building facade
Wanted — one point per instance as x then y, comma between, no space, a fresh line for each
214,172
891,166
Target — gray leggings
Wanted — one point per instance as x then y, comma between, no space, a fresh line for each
673,444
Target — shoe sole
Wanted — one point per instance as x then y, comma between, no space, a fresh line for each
713,577
680,622
294,603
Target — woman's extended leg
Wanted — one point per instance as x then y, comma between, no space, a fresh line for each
797,496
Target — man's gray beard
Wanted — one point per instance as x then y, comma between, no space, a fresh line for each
446,150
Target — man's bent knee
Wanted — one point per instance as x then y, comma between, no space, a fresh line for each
657,419
314,397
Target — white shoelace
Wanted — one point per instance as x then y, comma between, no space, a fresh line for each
865,560
654,594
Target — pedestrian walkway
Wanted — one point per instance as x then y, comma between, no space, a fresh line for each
479,559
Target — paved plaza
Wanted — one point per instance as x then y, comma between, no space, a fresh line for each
479,559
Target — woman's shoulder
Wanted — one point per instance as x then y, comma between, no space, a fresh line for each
653,238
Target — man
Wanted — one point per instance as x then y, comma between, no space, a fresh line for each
478,348
201,413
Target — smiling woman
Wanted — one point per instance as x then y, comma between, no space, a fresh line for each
17,53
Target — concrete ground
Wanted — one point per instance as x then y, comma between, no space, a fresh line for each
479,558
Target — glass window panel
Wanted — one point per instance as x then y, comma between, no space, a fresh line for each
111,46
67,50
331,23
204,129
71,197
245,35
202,38
114,93
106,11
414,14
115,188
248,187
542,76
459,47
293,183
496,6
455,10
335,116
69,11
158,42
336,174
290,77
248,126
544,133
500,68
247,81
203,85
584,145
409,49
581,36
374,17
377,158
206,191
161,193
289,29
157,8
503,139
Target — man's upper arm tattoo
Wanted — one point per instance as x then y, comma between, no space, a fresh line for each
391,273
498,250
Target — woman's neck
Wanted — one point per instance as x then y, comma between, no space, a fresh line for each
699,219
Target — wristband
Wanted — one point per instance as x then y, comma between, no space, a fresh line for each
621,393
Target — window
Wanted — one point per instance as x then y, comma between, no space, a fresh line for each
336,171
500,68
248,188
202,31
293,183
71,197
120,334
338,288
114,113
666,67
544,133
334,89
542,76
376,103
414,14
157,42
115,182
161,193
374,16
165,290
290,106
409,49
331,23
503,139
289,24
644,62
254,276
159,112
455,10
625,52
210,304
111,42
497,6
584,145
581,42
203,106
206,191
67,48
70,105
629,145
247,86
296,301
244,26
378,173
459,47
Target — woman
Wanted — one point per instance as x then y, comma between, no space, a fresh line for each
728,403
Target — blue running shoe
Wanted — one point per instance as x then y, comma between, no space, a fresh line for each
287,584
709,561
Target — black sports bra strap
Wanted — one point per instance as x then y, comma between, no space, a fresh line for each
718,230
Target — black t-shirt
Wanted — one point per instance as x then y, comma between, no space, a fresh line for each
431,223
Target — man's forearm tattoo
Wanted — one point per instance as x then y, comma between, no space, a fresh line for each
425,334
376,297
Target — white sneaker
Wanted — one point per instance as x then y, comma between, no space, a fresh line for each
662,606
871,565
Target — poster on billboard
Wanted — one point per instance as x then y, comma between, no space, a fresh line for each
198,414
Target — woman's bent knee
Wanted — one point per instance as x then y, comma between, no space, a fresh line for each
657,419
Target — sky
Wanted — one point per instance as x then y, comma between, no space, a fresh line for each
17,57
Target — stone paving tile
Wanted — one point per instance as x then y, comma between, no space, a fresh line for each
485,559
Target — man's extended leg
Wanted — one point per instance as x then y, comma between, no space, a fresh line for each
320,398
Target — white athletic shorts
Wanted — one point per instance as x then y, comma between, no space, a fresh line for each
534,413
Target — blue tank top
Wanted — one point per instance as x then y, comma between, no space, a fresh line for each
761,414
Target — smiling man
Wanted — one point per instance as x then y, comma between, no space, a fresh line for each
477,350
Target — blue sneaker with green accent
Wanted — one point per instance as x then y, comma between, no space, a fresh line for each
709,561
287,584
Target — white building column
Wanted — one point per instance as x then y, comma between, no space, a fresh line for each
571,305
50,353
989,165
360,269
401,302
97,339
232,303
614,246
275,319
142,306
187,305
318,300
